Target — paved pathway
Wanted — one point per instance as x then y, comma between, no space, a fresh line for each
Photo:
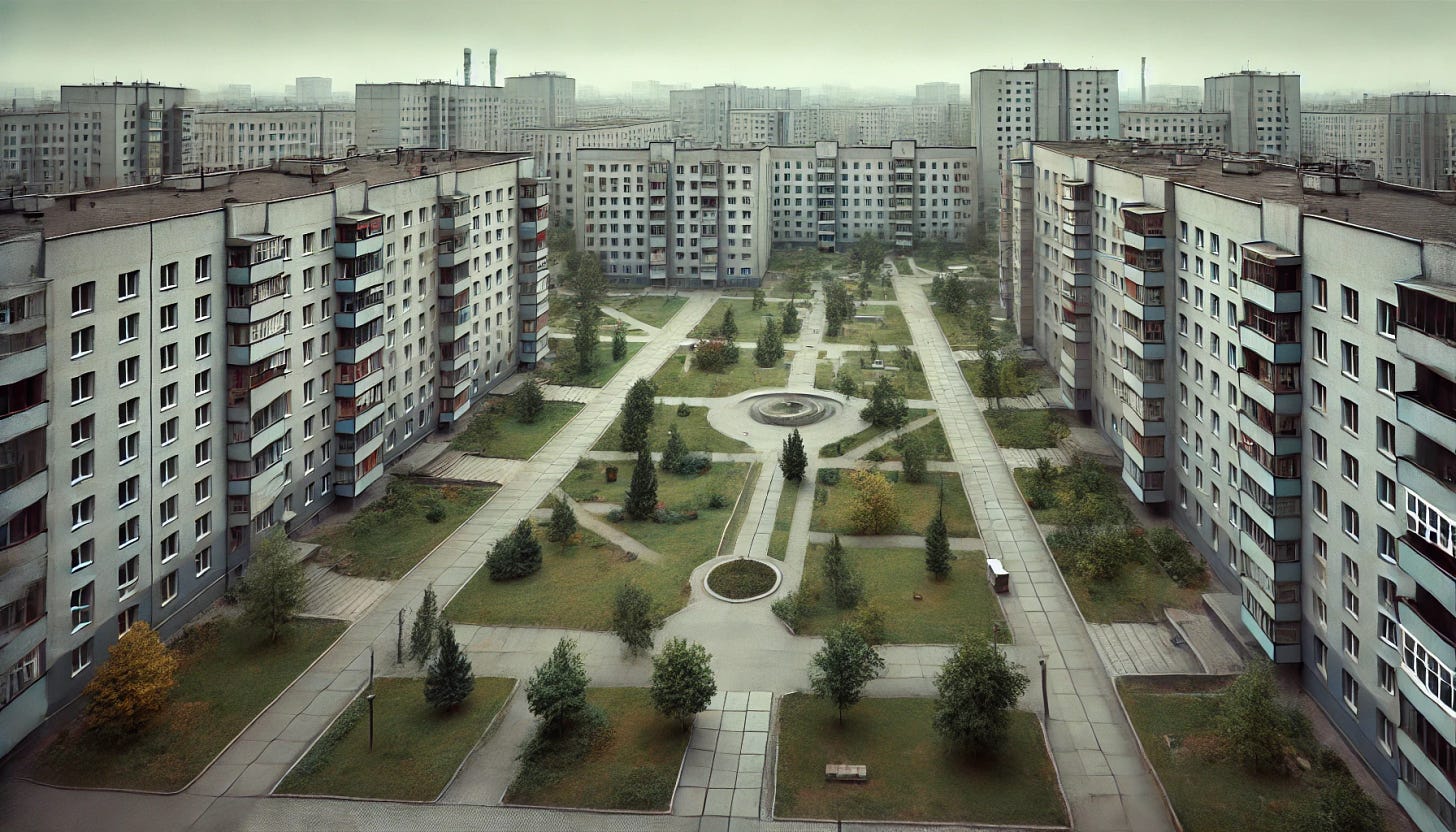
1205,638
332,594
454,465
893,541
1103,775
858,452
587,518
1138,648
1027,457
723,771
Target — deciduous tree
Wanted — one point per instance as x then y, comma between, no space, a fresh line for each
274,586
556,692
682,680
633,618
132,686
875,511
975,691
843,667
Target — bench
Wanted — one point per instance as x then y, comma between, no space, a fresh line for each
840,773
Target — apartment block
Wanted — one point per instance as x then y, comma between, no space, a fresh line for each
555,150
1408,139
702,114
875,125
1272,352
188,366
556,92
441,114
699,218
313,90
1042,101
242,139
1193,128
1264,112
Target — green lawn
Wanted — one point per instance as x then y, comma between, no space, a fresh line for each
750,323
914,775
1034,376
1026,428
848,443
917,503
948,610
695,430
807,261
1140,592
1199,784
933,435
417,749
563,368
903,266
745,375
910,382
778,541
892,332
956,328
653,310
640,744
389,536
510,438
208,708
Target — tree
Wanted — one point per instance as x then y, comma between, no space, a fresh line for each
642,491
422,633
937,548
637,414
843,667
516,555
914,458
759,301
953,295
682,680
838,307
770,348
1252,720
529,401
793,460
675,452
729,328
132,686
584,340
887,407
875,511
844,383
273,588
874,350
556,692
988,377
792,324
450,678
711,356
845,587
633,618
562,525
975,691
865,290
589,284
619,343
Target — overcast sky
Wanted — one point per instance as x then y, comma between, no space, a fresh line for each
1375,45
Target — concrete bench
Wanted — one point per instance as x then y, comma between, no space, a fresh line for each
847,773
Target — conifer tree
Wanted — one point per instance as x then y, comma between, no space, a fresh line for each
450,678
563,524
793,460
637,414
422,633
642,491
770,348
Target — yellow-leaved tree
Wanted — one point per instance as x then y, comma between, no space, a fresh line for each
132,686
874,510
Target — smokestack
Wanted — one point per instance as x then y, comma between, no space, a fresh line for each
467,66
1143,83
492,67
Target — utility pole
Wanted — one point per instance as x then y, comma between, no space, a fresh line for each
399,640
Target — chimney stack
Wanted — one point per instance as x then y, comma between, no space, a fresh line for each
467,66
492,67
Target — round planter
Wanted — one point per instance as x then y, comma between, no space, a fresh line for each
778,578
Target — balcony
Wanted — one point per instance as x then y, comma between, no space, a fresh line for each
1075,372
1281,396
1077,329
262,488
254,257
244,443
532,193
353,351
1260,432
359,416
1076,195
532,251
1077,222
1277,518
348,457
1423,619
453,410
708,188
360,274
23,420
1075,246
657,186
451,252
1147,311
355,311
1147,487
1431,566
254,343
533,228
1143,227
453,212
1275,344
657,241
1433,479
1280,643
28,361
657,274
1281,481
1429,412
1148,453
1145,342
1284,568
454,325
351,483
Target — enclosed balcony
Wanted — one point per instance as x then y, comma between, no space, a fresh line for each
454,408
359,308
454,322
1275,387
358,234
1144,338
249,344
1426,323
1429,469
709,187
1430,408
22,336
1276,475
1143,227
356,413
533,193
353,480
266,427
359,343
23,406
532,250
1273,336
1143,267
657,204
1076,300
1270,278
657,274
1144,377
1278,558
1148,453
251,303
454,354
1429,628
1428,548
1075,195
453,212
1077,223
360,273
1146,486
254,257
352,379
1145,302
453,250
534,223
1076,328
256,384
1280,517
1278,433
1279,640
261,478
1075,246
352,448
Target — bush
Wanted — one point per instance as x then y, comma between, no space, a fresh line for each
1176,557
132,686
691,464
716,500
516,555
711,356
642,788
435,511
792,609
684,410
616,515
870,622
829,476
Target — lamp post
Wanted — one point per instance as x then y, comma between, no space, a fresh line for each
1045,709
370,697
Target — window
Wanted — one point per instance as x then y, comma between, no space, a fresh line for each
1385,490
127,448
81,657
1321,346
1349,468
128,532
1321,501
168,277
127,491
83,298
1350,360
1320,395
202,268
202,560
126,576
1350,642
202,346
82,430
128,370
81,602
1385,437
202,452
128,412
83,555
1321,447
167,471
1385,729
1349,304
1389,630
1385,377
1352,602
167,357
167,397
169,587
167,511
1351,690
1321,658
1350,416
167,317
202,527
1385,545
83,467
202,490
128,285
83,341
83,387
1350,570
83,512
202,308
1321,298
202,382
1385,318
202,415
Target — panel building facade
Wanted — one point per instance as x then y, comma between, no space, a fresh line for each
182,373
555,150
1408,139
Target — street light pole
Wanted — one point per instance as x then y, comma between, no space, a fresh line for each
1045,709
399,640
370,697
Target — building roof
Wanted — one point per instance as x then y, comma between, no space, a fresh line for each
1407,212
90,211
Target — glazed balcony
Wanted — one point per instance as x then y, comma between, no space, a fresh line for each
1075,195
261,486
1146,486
252,303
1076,300
453,251
1279,518
1269,276
452,410
355,414
1143,227
351,380
358,234
535,228
248,440
1076,328
1277,434
1077,223
359,309
252,258
1426,323
657,274
357,344
453,212
1426,677
1278,559
1275,475
1430,408
1148,453
1434,628
25,409
1075,246
1146,303
1429,471
354,448
534,195
709,188
1272,336
353,480
1143,268
1279,641
253,386
360,274
1275,387
249,344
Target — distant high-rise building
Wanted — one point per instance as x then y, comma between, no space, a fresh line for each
240,139
555,149
441,114
313,90
1194,128
556,92
702,116
1409,139
1263,111
1042,101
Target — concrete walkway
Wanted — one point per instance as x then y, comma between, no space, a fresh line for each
1103,774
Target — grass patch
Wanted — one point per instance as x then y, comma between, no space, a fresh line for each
917,503
750,323
1026,428
742,578
512,439
845,444
563,368
892,332
948,610
745,375
694,427
639,744
914,775
389,536
933,435
957,328
778,540
653,310
207,708
696,540
807,262
1200,784
417,748
1034,376
910,382
903,266
1140,592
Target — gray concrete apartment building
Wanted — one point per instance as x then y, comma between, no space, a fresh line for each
699,218
1264,111
1274,353
185,367
446,115
1408,139
555,150
701,114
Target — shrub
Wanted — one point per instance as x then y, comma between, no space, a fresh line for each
684,410
976,689
875,511
1257,725
792,609
716,500
435,511
682,680
516,555
692,464
829,476
1176,557
132,686
711,356
870,622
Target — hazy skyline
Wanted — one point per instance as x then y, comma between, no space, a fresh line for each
1333,44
